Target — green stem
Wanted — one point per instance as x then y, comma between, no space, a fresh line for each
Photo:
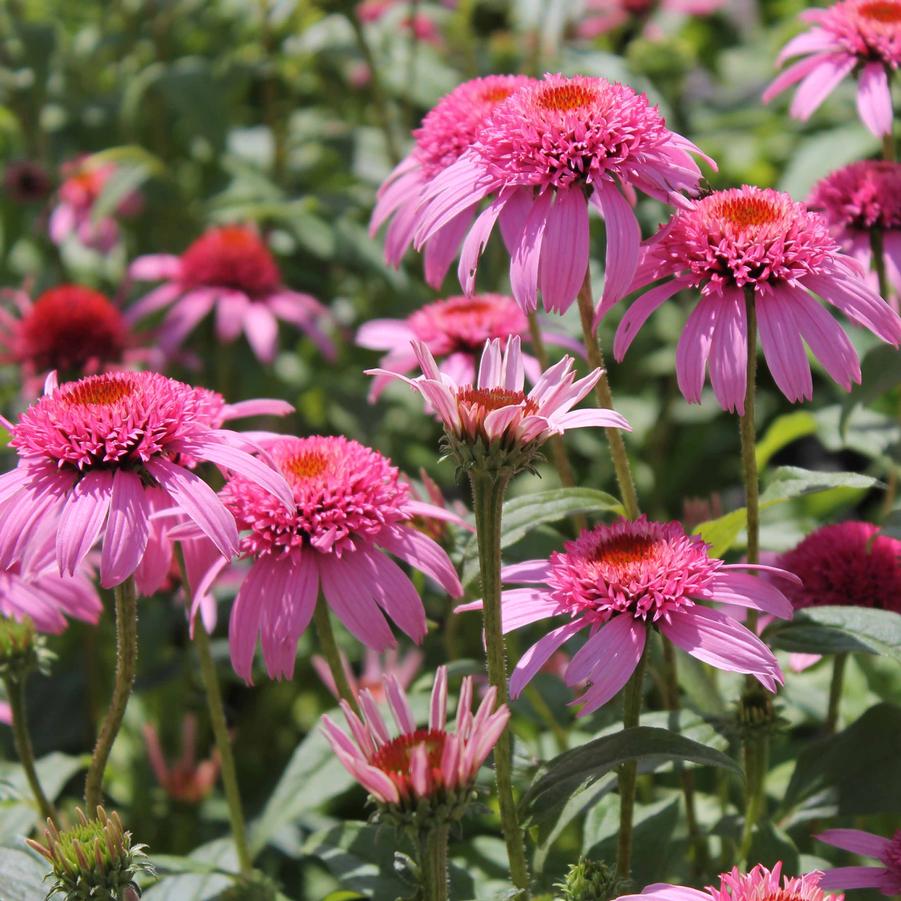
748,430
756,760
835,692
488,498
628,773
15,694
433,864
888,147
126,600
329,648
605,399
878,248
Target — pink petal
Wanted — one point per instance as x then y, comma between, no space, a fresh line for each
564,250
260,406
231,308
150,303
637,314
749,591
184,316
261,329
852,877
526,256
455,190
422,553
792,74
874,99
438,706
623,242
583,419
442,247
83,516
384,334
693,348
782,347
526,571
539,654
247,615
859,303
856,841
127,531
400,707
155,267
729,352
814,41
819,83
826,338
396,594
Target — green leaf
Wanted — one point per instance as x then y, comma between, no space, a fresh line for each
23,875
880,372
721,533
833,630
783,431
198,876
769,844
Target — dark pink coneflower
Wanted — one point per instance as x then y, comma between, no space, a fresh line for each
861,37
98,457
349,508
618,580
447,131
545,153
755,239
229,270
886,877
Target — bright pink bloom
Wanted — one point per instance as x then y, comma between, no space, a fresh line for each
618,580
760,239
860,37
542,152
760,884
496,408
886,878
231,270
446,132
74,214
434,763
376,669
349,505
859,200
99,456
606,15
186,780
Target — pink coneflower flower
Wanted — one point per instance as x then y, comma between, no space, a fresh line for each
544,154
859,201
854,35
99,456
231,270
756,239
607,15
618,580
376,669
434,765
73,216
446,132
349,506
496,411
886,878
186,780
760,884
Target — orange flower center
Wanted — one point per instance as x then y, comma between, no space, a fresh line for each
745,212
622,551
494,398
101,392
881,11
394,758
307,465
495,95
563,98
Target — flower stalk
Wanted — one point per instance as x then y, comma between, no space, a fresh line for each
748,432
329,648
835,692
433,863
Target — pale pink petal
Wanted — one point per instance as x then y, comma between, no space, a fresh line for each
423,553
384,334
438,706
874,99
442,247
729,352
539,654
582,419
856,841
842,878
526,256
564,250
814,41
800,662
155,267
184,316
526,571
792,74
396,594
819,83
780,339
399,705
231,308
260,406
749,591
456,189
519,607
637,314
623,242
261,329
127,531
82,519
826,338
156,300
693,349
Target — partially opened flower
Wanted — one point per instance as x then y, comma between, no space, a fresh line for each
349,507
376,669
756,240
617,581
185,780
231,271
860,37
420,772
495,418
99,456
886,878
544,154
446,132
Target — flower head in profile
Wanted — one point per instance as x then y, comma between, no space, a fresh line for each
99,456
494,422
545,153
419,771
617,581
185,780
886,877
376,669
446,132
84,180
231,271
756,240
860,37
860,201
349,508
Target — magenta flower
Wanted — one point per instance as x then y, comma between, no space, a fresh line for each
433,764
855,36
99,456
887,851
618,580
542,152
229,270
760,884
376,669
755,239
348,506
496,409
186,780
446,132
858,201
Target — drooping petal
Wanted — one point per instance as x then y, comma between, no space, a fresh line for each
564,250
623,242
261,329
396,594
526,256
874,99
423,553
729,352
127,530
693,349
856,841
819,83
749,591
826,338
539,654
780,339
83,517
638,313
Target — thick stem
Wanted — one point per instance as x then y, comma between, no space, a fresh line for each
748,431
329,648
433,864
756,760
126,599
605,399
15,694
488,498
628,773
835,692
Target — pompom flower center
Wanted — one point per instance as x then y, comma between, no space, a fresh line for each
892,858
394,758
309,465
624,554
466,323
567,97
881,11
97,394
748,212
230,257
488,399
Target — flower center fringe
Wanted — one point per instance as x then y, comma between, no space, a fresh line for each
747,212
881,11
97,393
307,465
563,98
394,758
495,398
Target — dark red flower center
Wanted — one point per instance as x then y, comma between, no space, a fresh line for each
494,398
394,758
230,257
97,392
564,98
881,11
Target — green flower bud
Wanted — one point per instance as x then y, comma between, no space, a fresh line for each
591,880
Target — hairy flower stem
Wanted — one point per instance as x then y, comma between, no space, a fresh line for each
487,501
605,399
756,764
15,694
835,692
329,648
126,600
433,864
628,772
